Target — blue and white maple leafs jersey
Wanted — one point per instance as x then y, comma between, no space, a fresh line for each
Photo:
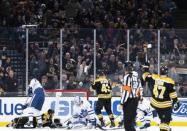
38,95
82,112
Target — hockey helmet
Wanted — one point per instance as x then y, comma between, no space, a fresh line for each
34,83
163,70
129,66
50,111
77,100
100,73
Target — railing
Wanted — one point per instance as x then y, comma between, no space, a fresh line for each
70,58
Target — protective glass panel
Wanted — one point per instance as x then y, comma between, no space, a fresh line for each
44,57
143,47
173,54
12,61
111,54
77,58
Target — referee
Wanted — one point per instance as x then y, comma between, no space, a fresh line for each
131,93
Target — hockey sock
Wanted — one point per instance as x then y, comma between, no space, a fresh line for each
30,119
39,119
154,113
111,116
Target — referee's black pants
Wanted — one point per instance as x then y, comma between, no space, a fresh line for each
129,113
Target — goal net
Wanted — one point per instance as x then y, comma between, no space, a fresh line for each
63,101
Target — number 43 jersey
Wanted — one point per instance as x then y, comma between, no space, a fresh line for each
163,90
102,87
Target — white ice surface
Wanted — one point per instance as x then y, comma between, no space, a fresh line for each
44,129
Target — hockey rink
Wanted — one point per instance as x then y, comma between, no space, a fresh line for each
153,128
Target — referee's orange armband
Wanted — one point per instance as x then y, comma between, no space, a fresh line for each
127,88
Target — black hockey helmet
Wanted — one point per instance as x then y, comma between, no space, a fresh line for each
50,111
129,66
163,70
100,73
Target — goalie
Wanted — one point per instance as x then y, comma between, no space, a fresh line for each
145,113
83,115
31,116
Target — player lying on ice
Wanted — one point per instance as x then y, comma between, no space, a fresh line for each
48,120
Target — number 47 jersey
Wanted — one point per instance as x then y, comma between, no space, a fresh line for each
163,90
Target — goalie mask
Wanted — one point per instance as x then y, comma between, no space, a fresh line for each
77,100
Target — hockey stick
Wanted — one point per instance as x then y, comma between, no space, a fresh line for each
108,123
105,129
16,124
100,127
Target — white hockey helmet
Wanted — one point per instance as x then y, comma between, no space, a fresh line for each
34,83
77,100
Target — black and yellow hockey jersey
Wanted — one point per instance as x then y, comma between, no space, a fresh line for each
102,87
47,118
163,90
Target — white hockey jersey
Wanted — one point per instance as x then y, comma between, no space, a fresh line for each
37,93
144,106
83,110
144,113
82,113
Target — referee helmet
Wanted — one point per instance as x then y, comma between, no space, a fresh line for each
129,66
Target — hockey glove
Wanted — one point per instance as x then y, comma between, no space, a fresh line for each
145,67
25,106
69,125
29,92
176,105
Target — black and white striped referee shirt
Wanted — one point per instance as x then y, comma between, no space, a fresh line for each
132,87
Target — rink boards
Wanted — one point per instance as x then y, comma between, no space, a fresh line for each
12,107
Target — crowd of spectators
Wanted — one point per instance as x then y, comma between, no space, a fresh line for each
110,18
8,80
88,13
